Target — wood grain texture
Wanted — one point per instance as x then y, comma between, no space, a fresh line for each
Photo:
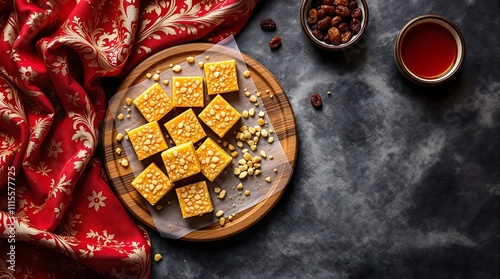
278,109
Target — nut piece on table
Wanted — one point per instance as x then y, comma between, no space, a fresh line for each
213,159
152,184
221,77
194,199
219,115
158,257
187,91
153,103
147,140
181,161
185,127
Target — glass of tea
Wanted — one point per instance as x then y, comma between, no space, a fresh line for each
429,50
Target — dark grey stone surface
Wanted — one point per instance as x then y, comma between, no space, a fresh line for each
392,179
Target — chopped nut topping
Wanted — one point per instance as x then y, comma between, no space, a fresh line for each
194,199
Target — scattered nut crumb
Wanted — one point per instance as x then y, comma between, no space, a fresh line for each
207,57
222,194
119,137
222,221
156,77
159,207
246,73
128,101
166,82
177,68
239,187
270,140
201,64
219,213
247,192
120,116
217,190
124,163
190,59
275,170
158,257
148,75
268,179
118,151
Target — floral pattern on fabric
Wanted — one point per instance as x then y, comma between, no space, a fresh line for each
65,220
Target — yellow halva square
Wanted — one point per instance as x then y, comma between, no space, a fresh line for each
213,159
185,128
152,183
221,77
219,115
194,199
187,91
181,161
153,103
147,140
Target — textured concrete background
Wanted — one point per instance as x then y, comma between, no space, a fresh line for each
392,179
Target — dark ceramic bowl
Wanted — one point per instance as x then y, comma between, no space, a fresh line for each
307,28
455,65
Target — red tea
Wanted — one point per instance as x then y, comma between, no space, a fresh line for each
428,50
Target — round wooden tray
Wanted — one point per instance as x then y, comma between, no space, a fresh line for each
278,110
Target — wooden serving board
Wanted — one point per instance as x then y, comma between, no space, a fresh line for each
278,110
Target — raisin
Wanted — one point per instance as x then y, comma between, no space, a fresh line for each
317,34
355,25
334,35
353,5
342,11
344,3
312,16
321,13
268,24
345,37
326,39
327,2
330,10
275,43
343,27
335,21
316,100
323,23
356,13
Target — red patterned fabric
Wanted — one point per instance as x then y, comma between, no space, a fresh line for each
59,218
